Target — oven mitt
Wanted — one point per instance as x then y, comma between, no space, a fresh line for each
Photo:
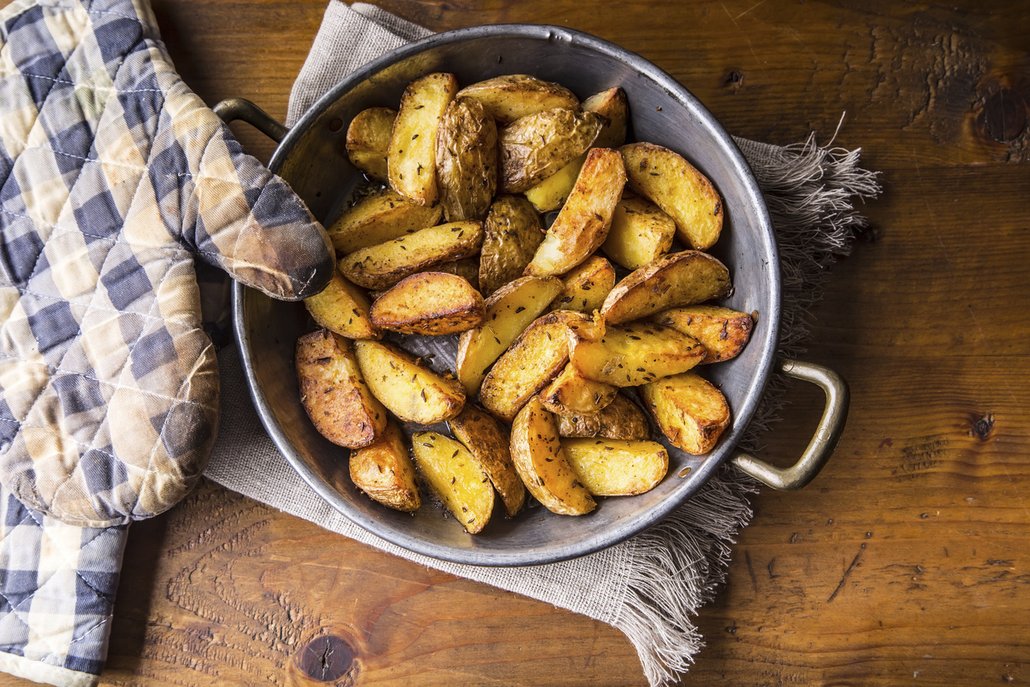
114,177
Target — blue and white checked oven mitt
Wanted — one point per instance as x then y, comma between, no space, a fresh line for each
114,177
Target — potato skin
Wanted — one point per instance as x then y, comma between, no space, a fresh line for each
613,105
723,332
640,233
677,279
378,218
466,160
411,391
456,477
620,419
342,308
384,264
334,393
509,310
585,287
429,303
411,157
511,233
543,465
582,224
613,467
535,147
466,268
368,139
513,96
679,189
383,470
689,410
487,440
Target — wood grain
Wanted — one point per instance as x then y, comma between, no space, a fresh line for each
905,562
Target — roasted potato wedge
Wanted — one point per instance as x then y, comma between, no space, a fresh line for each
640,233
612,467
412,392
585,287
571,392
411,157
535,358
342,308
678,279
456,477
538,145
511,233
550,193
378,218
383,470
429,303
689,410
635,353
334,393
543,464
508,312
368,139
484,437
515,96
582,225
682,192
466,160
620,419
723,332
613,105
466,268
384,264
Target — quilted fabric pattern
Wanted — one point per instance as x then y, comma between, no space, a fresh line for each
57,589
113,176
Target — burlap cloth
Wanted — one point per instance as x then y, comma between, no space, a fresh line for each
651,586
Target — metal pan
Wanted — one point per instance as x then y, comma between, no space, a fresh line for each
312,159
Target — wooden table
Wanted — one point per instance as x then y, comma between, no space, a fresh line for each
906,561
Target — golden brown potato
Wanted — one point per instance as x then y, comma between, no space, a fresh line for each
342,308
683,278
635,353
411,391
543,464
466,160
723,332
368,139
378,218
430,303
456,477
539,354
571,392
620,419
585,287
582,225
384,264
334,393
682,192
640,233
514,96
466,268
536,146
511,233
383,470
549,194
612,467
484,437
689,410
508,312
614,107
411,157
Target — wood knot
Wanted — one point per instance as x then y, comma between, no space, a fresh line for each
733,80
326,658
982,427
1003,117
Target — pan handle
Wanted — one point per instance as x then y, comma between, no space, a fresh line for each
825,439
240,108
